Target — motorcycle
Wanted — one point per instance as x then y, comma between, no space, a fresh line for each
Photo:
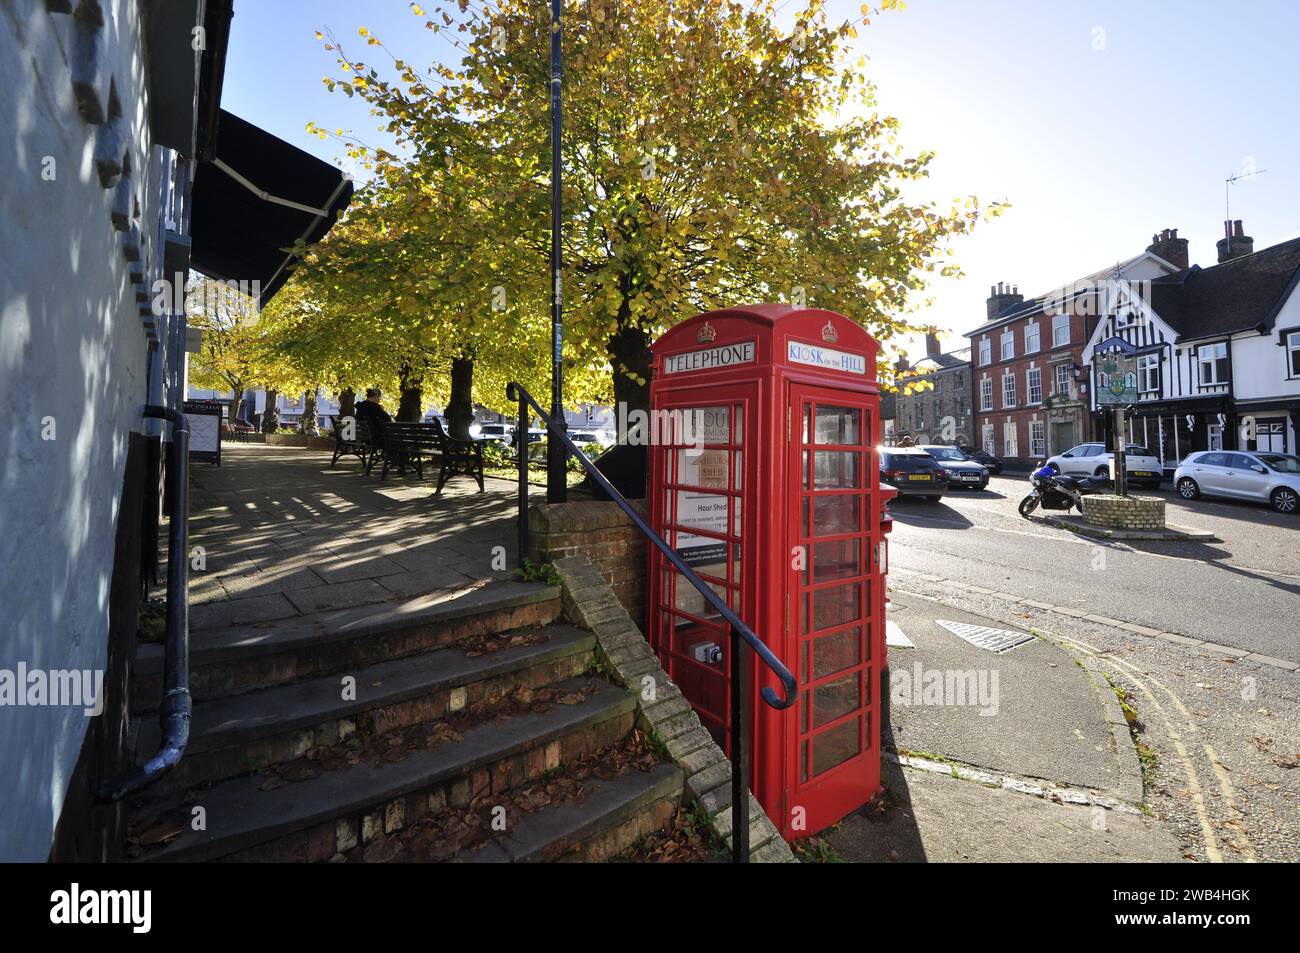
1052,491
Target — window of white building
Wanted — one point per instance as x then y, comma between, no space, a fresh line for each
1148,368
1213,359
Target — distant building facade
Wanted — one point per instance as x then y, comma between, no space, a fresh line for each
939,411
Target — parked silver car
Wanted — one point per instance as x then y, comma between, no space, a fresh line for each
1263,477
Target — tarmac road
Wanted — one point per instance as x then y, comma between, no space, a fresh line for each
1242,592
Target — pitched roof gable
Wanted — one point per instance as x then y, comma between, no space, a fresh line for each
1237,295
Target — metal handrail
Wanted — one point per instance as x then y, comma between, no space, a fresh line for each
739,631
175,708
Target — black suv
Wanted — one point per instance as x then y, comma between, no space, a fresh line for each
913,472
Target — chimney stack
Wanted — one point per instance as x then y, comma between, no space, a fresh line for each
1234,243
1171,248
932,348
902,364
1001,297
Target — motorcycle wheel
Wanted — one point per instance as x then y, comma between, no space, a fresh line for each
1028,505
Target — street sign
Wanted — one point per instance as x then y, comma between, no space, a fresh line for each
1116,372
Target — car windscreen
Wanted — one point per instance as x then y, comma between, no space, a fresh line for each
1281,462
947,453
907,461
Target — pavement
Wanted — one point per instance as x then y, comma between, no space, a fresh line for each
1036,765
928,817
279,534
1048,720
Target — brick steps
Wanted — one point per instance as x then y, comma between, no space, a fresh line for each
313,820
240,734
236,659
611,816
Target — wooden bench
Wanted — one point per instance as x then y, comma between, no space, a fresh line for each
458,456
362,444
408,446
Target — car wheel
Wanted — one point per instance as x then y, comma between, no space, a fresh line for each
1285,499
1102,472
1188,489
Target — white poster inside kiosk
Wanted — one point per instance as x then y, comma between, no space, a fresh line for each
706,467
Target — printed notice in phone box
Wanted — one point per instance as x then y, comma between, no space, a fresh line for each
826,357
710,358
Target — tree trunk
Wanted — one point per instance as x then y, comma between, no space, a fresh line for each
460,406
410,407
347,402
237,403
629,351
270,416
309,424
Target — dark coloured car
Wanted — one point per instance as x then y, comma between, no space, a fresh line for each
962,471
982,457
913,472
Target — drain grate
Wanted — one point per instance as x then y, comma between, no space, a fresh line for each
985,637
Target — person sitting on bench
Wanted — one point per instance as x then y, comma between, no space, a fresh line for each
370,410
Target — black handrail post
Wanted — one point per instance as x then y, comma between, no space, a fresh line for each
521,437
739,751
557,488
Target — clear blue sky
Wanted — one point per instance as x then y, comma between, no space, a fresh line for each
1101,121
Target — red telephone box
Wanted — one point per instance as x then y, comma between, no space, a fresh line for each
764,476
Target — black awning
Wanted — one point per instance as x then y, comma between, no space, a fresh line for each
256,197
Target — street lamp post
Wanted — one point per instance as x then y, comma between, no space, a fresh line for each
556,455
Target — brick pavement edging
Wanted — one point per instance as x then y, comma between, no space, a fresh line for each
662,711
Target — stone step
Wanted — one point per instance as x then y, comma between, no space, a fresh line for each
612,816
314,819
240,734
229,661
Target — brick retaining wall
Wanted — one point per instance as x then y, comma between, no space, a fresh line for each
602,532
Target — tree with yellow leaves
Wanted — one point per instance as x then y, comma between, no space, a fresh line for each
711,158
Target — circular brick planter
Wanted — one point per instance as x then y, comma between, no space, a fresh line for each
1124,512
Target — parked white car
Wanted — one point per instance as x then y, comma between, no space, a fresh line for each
1092,459
1272,478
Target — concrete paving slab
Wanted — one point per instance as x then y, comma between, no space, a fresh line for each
928,817
1030,712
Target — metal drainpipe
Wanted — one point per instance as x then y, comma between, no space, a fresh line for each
174,711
